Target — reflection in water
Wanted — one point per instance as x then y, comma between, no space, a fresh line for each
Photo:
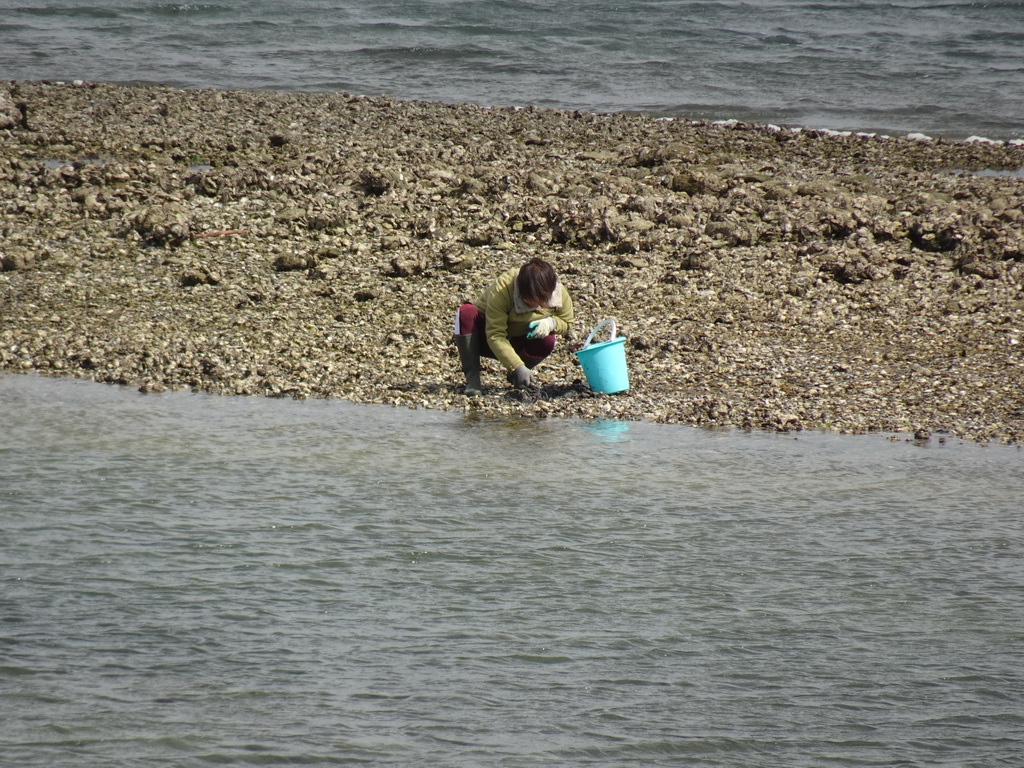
607,430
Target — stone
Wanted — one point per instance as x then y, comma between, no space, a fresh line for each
293,262
11,115
17,261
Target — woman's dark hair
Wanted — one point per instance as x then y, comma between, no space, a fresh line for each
536,282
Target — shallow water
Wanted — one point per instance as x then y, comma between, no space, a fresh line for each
190,579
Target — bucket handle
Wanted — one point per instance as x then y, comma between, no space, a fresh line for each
610,321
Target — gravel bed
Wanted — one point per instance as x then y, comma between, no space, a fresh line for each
317,245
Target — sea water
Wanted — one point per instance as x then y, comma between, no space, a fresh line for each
188,579
950,68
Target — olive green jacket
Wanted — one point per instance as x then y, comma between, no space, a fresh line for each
506,315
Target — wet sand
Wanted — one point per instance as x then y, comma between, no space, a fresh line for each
316,245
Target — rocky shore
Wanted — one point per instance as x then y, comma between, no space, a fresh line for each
316,245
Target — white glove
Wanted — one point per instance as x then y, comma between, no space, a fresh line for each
541,328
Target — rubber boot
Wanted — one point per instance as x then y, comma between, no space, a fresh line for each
469,354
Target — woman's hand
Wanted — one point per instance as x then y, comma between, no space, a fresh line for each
521,377
541,328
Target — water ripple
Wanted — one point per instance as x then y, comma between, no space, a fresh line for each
239,581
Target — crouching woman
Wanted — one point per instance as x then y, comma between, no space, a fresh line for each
514,320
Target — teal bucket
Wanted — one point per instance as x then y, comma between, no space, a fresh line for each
604,364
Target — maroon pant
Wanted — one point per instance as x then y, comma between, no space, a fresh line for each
470,319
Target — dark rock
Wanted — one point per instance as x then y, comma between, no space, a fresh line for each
972,265
18,262
162,224
935,236
854,272
280,139
457,262
198,276
696,183
11,116
407,266
378,181
293,262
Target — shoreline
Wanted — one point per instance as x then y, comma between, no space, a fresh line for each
317,244
656,112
